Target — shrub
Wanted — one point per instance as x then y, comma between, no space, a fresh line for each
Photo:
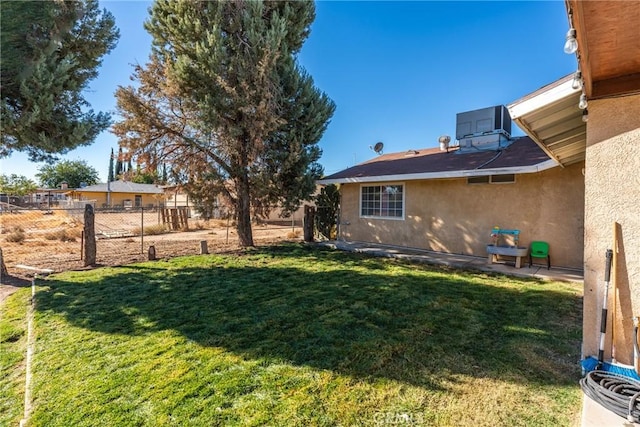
16,236
69,235
52,236
294,234
328,204
12,229
218,223
150,230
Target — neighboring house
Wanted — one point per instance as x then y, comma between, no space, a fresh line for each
276,215
123,194
609,144
42,197
448,201
176,197
47,197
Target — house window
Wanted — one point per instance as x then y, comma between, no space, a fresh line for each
382,201
138,201
492,179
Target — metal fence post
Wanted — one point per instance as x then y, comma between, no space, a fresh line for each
141,230
228,219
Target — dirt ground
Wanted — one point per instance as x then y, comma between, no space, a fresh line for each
43,249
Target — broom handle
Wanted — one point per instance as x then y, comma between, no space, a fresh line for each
636,348
614,314
603,320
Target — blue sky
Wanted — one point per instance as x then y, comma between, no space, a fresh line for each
399,72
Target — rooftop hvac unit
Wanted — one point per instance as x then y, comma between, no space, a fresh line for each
491,120
491,141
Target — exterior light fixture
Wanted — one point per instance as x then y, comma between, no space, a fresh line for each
583,102
577,81
571,45
585,115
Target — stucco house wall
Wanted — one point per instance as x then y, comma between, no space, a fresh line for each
612,194
117,199
449,215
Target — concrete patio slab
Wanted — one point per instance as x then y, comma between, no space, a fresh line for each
456,260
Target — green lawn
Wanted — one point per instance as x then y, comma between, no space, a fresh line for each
294,335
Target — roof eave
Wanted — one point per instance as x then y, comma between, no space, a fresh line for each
533,114
539,167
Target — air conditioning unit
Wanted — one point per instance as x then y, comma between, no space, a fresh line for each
490,141
485,121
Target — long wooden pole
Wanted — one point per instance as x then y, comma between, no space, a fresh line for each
142,230
615,291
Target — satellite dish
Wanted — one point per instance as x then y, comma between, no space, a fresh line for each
378,147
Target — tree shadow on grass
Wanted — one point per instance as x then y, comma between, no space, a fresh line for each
317,308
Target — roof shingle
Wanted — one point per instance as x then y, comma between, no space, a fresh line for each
522,152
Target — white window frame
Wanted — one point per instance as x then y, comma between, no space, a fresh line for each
395,184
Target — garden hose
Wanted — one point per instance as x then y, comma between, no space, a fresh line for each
617,393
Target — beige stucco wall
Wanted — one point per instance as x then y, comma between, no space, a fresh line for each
452,216
119,198
612,194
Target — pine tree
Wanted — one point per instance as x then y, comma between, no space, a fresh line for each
110,178
50,52
119,168
165,177
226,104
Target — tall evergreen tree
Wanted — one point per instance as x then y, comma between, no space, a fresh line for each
111,176
165,177
119,168
225,103
50,52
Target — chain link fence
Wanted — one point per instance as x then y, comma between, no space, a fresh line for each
53,238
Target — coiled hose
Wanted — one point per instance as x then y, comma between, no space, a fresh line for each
617,393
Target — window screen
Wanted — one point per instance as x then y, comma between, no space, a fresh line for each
384,201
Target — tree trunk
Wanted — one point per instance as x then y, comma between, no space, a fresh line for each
243,212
